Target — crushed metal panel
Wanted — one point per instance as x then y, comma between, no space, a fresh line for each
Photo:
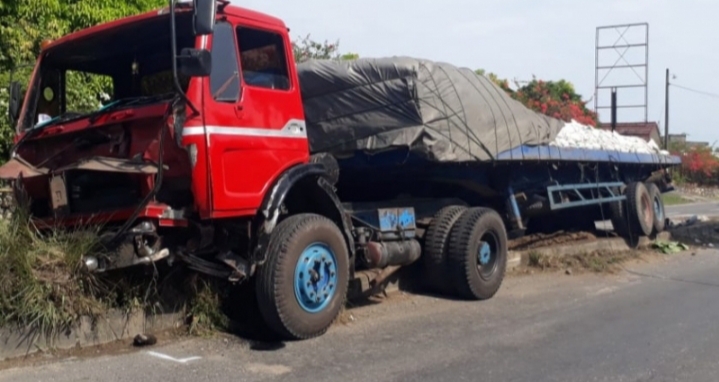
112,165
15,167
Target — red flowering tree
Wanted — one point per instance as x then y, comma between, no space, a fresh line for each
556,99
699,165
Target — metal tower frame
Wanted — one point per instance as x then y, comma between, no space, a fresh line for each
621,46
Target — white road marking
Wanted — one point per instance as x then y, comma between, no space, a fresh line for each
168,358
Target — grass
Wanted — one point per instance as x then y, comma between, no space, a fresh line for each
205,310
671,199
44,287
41,281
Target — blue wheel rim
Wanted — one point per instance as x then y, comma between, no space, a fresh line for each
487,253
315,278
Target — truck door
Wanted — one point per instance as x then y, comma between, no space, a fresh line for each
255,120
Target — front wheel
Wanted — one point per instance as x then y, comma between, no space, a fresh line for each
303,284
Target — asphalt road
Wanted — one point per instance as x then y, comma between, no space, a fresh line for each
688,210
657,322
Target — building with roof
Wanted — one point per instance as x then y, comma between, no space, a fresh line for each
645,130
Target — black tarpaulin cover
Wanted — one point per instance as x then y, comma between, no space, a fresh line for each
446,113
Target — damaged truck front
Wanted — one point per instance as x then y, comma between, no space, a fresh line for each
99,135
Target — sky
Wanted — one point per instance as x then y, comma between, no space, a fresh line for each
549,39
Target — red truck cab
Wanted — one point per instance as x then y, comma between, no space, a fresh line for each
248,126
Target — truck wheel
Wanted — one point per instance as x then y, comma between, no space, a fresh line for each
436,243
303,284
658,206
618,215
639,209
478,253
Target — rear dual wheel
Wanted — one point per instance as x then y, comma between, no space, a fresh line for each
642,213
658,206
465,252
436,247
477,256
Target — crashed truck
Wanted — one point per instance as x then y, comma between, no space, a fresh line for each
211,149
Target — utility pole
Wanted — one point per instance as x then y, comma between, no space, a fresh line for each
614,109
666,113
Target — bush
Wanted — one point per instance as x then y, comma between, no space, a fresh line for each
699,165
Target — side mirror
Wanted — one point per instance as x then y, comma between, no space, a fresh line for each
15,102
204,19
195,62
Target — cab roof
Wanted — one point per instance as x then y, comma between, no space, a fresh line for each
229,10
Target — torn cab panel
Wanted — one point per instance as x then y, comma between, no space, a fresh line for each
88,168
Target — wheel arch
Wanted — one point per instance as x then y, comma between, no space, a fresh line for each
301,189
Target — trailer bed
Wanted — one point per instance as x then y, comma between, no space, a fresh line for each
553,154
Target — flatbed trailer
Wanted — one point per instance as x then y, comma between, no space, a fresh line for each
224,176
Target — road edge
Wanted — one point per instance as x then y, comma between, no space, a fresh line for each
113,326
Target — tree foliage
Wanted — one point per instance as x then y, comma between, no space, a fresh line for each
24,24
699,164
557,99
306,48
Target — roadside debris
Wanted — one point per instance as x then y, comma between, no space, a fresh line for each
699,231
688,222
668,247
144,340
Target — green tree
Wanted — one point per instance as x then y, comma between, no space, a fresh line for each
24,24
306,48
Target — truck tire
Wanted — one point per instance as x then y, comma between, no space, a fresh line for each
477,254
436,243
618,215
303,284
658,206
639,209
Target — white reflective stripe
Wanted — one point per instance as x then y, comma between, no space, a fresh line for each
293,129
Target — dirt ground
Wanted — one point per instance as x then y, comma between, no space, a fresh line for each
541,240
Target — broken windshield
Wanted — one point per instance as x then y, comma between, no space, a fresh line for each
96,72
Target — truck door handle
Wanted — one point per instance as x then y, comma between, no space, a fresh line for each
239,107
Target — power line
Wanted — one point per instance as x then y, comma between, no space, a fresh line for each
708,94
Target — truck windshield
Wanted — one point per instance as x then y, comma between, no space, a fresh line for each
130,62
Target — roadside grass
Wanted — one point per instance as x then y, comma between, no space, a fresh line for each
205,313
44,287
595,262
672,199
41,282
